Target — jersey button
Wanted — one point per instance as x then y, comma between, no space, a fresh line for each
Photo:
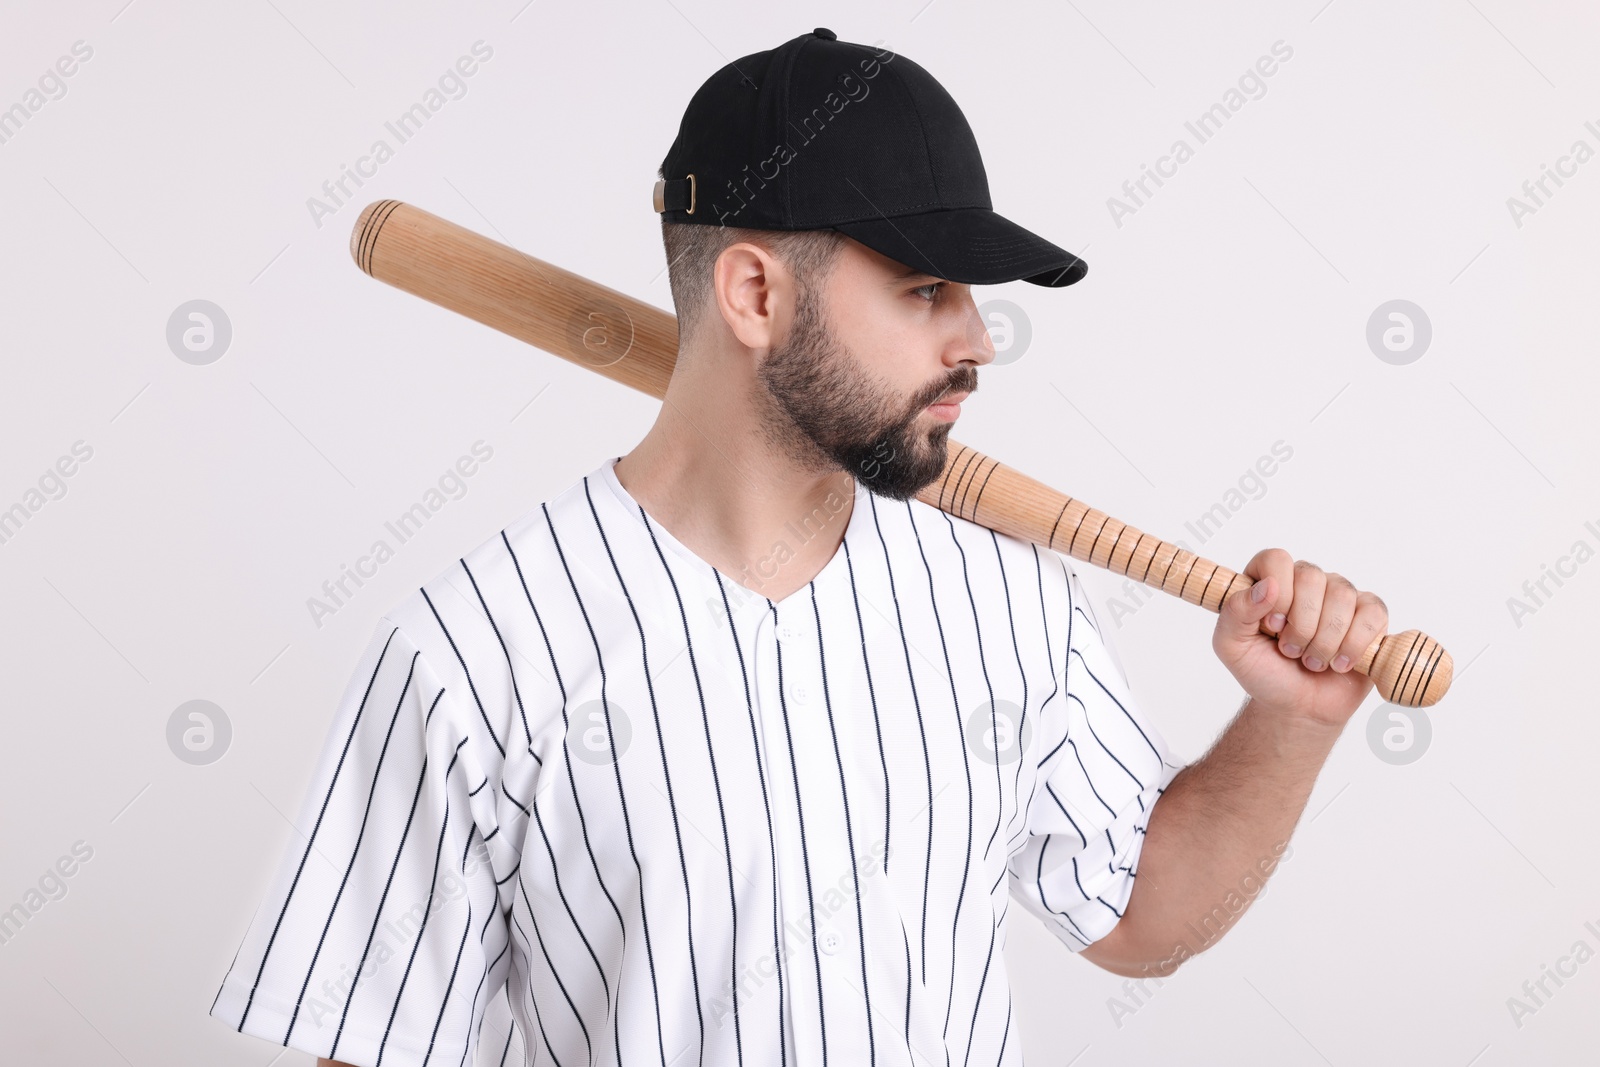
798,693
829,940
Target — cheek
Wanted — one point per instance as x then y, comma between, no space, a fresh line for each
893,339
890,341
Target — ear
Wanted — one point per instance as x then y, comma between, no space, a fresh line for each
755,294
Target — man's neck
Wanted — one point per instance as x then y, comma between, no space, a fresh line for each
720,489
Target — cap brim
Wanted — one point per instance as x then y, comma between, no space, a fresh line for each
976,246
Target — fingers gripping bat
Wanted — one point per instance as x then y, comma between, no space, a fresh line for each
635,343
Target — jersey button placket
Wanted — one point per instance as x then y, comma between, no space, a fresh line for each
792,639
765,640
800,690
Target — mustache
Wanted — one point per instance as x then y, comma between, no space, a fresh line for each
965,381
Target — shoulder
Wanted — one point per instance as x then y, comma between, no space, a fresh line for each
472,608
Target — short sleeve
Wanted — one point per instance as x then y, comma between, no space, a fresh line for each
378,933
1101,768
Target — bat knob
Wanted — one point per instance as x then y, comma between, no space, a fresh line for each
364,235
1409,668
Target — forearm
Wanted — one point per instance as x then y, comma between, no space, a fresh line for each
1214,836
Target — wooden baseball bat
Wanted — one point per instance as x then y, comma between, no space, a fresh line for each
635,343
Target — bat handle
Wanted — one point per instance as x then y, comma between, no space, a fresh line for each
1409,668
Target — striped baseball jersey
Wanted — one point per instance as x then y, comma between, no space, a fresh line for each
674,822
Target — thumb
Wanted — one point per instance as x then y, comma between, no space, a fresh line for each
1240,619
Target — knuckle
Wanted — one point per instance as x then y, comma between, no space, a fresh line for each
1310,575
1354,649
1323,650
1306,610
1376,609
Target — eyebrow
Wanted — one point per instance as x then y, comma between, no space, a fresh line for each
915,272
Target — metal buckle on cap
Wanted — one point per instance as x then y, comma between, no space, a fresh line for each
659,194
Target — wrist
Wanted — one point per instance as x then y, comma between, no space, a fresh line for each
1293,727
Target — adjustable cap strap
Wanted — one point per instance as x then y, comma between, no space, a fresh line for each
675,194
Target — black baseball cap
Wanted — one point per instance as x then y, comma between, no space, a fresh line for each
820,133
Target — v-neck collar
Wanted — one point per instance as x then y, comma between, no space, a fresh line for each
830,572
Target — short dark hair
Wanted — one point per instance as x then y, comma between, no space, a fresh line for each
692,249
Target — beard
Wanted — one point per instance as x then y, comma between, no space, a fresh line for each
832,415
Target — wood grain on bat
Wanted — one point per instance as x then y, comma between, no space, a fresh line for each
635,343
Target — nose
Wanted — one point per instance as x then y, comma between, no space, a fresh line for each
978,343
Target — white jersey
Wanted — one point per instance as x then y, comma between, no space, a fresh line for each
680,823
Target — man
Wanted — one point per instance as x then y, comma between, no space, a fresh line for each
734,752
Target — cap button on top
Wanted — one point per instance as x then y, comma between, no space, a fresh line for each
825,33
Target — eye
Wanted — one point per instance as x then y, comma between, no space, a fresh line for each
931,289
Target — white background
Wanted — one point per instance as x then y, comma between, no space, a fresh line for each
1227,312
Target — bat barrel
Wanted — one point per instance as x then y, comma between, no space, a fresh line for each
563,313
